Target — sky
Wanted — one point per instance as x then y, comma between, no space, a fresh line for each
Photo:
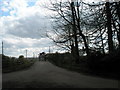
23,26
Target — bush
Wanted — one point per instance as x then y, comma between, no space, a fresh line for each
94,60
104,63
5,61
14,64
21,57
111,62
61,59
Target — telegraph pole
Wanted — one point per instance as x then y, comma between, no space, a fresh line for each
26,54
33,55
2,48
49,49
75,32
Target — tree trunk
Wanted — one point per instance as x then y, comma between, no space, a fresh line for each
81,34
118,13
109,27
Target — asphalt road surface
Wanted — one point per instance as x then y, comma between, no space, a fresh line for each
46,75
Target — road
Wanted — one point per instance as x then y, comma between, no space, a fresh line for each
46,75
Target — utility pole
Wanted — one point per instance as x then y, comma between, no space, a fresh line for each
75,32
49,49
2,48
26,54
33,55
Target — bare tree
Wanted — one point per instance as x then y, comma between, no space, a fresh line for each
95,27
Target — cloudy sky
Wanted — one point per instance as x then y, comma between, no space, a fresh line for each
23,25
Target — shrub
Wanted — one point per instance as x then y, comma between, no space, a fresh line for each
5,61
61,58
13,64
111,62
21,57
105,63
94,60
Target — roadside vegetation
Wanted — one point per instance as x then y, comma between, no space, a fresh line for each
106,66
10,64
90,32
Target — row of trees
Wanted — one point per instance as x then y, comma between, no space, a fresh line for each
86,27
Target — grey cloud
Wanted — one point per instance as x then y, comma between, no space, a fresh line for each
27,43
29,27
19,48
43,42
7,44
12,44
